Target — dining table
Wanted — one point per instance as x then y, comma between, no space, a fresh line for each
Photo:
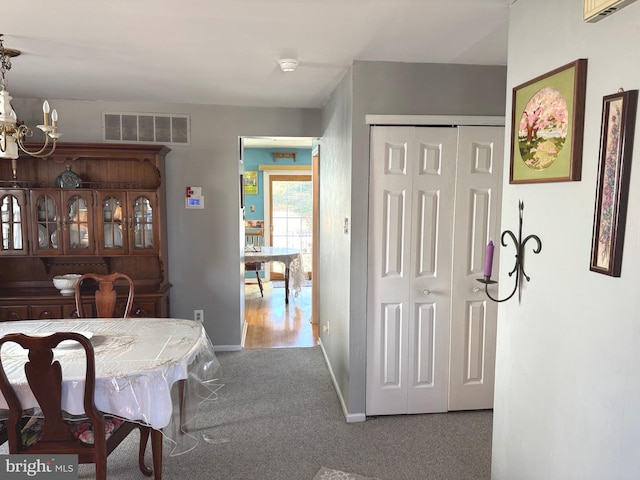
291,258
153,371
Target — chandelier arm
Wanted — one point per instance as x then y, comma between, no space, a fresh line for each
24,131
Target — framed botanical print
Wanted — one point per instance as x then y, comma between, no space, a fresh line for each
612,191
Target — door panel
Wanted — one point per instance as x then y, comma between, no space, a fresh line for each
411,180
473,315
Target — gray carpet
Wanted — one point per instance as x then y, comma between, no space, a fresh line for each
331,474
278,417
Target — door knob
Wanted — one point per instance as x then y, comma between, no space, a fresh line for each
426,291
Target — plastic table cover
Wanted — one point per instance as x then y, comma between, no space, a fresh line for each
144,366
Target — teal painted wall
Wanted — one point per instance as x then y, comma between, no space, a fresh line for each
253,158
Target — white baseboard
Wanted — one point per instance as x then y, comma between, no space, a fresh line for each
349,417
245,325
227,348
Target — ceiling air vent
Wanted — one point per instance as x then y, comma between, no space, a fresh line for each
146,128
596,10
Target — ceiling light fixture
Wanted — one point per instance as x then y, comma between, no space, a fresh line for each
14,132
288,64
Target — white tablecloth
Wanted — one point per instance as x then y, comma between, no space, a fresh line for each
290,257
138,361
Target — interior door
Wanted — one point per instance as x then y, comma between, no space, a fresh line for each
435,195
477,220
412,178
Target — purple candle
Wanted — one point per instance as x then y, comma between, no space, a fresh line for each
488,259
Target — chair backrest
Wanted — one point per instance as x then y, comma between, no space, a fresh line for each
44,376
3,428
105,295
254,237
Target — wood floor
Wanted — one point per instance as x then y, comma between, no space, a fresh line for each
273,324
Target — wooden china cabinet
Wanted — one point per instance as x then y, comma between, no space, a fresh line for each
112,219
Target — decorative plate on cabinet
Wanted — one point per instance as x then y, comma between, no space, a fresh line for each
42,236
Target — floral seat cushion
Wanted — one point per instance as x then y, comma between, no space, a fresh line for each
80,430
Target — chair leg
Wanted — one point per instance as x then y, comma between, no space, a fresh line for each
144,437
101,468
156,451
259,283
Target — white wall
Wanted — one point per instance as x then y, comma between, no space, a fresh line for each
204,245
567,382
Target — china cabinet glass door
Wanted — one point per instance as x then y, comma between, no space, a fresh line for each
78,228
48,220
112,223
144,222
12,215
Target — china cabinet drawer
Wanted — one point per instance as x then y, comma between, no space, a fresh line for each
11,313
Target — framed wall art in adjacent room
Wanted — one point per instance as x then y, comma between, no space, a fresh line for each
616,146
250,183
547,126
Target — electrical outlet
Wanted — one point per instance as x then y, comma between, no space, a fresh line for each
198,315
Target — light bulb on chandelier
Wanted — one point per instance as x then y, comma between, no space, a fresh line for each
13,132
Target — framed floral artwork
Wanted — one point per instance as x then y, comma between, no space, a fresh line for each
616,146
547,126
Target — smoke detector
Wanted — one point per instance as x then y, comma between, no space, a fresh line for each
288,64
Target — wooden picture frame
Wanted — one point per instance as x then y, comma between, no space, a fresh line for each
614,173
547,126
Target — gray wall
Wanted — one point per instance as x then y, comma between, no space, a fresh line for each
204,245
383,88
335,246
567,383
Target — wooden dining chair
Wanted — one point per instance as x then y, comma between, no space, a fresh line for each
92,438
3,431
105,295
256,239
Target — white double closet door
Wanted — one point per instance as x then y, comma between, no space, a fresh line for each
433,206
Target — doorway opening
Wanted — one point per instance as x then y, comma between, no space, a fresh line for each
278,200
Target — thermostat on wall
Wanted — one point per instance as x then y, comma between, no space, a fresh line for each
194,198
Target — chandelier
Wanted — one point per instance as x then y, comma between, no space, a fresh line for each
13,132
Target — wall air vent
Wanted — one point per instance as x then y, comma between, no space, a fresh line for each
596,10
146,128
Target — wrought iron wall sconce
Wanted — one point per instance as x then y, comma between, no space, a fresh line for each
518,268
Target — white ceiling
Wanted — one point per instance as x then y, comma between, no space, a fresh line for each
225,52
